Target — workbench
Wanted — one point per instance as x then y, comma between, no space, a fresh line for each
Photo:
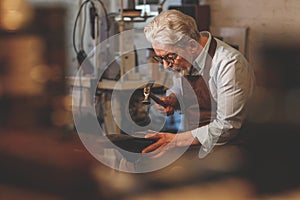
114,98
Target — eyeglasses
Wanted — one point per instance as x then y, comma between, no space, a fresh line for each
169,58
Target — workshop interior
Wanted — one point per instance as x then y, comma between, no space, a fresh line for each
78,72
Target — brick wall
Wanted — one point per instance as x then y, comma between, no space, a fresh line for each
268,20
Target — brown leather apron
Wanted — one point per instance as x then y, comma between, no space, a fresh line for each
197,100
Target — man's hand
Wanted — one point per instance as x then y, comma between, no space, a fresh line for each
171,101
167,141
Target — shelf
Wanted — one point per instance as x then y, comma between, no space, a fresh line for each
137,18
123,85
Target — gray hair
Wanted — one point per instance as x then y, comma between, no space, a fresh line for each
171,27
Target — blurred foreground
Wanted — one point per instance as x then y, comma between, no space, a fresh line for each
41,157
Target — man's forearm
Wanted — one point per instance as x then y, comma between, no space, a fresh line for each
186,139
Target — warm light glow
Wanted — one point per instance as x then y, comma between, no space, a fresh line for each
12,20
40,73
68,103
14,14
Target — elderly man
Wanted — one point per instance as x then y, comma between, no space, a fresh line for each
212,83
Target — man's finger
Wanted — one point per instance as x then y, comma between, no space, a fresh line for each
159,108
152,147
169,110
157,152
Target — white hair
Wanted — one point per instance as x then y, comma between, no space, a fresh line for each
171,27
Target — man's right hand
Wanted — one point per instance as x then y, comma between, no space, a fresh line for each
171,102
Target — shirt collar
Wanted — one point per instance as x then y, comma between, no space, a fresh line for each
199,62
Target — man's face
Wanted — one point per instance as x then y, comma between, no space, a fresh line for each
173,57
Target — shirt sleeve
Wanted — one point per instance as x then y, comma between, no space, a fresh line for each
234,85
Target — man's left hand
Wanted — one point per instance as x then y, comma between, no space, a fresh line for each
165,141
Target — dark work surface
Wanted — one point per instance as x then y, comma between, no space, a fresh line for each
271,155
48,162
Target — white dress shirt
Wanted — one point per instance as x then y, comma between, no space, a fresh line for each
231,82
